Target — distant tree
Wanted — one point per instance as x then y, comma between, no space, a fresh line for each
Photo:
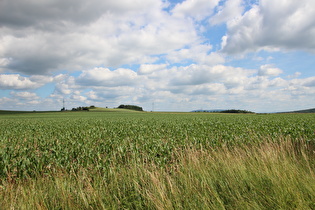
237,111
80,109
132,107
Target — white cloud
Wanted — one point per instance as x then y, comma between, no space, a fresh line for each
273,25
56,13
197,53
78,97
232,9
192,79
25,95
105,77
309,82
79,35
201,74
17,82
150,68
4,62
92,95
82,51
167,86
295,75
65,85
269,70
208,89
41,79
197,9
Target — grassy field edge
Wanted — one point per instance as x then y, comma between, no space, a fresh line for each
269,176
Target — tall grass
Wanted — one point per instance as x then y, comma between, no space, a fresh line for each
269,175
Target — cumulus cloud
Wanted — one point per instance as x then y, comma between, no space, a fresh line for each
197,9
269,70
20,13
151,79
78,97
295,75
200,74
17,82
232,9
150,68
25,95
65,85
192,79
309,82
208,89
140,51
273,25
44,37
107,78
197,53
162,84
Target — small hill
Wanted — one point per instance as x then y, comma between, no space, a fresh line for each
101,109
304,111
226,111
211,110
131,107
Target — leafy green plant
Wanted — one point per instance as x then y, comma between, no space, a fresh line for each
156,160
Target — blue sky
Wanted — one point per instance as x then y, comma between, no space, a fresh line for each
179,55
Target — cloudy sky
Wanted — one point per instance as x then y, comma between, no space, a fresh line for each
166,55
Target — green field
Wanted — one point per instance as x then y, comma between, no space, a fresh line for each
111,159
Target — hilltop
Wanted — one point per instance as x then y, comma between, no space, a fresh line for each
94,109
225,111
303,111
101,109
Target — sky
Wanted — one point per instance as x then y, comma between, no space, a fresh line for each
162,55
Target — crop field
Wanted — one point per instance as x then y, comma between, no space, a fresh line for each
142,160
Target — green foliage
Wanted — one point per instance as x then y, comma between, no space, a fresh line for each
237,111
81,109
132,107
157,160
31,145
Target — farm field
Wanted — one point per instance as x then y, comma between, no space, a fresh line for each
143,160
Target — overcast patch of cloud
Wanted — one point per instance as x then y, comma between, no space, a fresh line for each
43,37
273,25
20,13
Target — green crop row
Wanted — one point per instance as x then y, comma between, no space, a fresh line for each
39,143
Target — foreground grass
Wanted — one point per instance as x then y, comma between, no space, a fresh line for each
272,175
